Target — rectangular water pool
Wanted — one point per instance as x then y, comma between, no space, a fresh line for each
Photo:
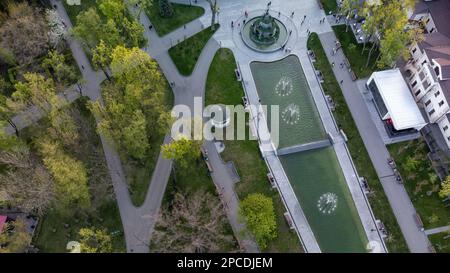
283,83
322,191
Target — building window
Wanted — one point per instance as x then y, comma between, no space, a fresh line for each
441,103
417,93
448,138
414,50
414,84
437,94
432,30
431,112
445,128
427,103
424,62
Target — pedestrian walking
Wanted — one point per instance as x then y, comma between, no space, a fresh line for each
82,67
150,27
341,81
279,13
290,32
342,65
304,17
232,24
246,14
243,22
184,26
332,64
292,14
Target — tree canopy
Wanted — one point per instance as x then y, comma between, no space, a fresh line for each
259,214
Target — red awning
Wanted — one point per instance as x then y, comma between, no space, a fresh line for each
2,222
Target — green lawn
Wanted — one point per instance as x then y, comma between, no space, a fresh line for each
52,235
421,182
441,242
139,174
222,87
186,53
329,5
353,51
183,14
378,200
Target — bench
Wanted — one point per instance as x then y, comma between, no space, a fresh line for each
206,158
418,221
271,180
352,75
288,219
238,75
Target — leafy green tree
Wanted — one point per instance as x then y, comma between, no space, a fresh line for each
135,136
183,151
411,164
112,9
95,241
445,188
88,28
134,32
101,57
71,183
165,8
35,91
18,241
259,214
63,72
63,126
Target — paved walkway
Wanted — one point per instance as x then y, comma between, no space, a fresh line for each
190,91
437,230
398,197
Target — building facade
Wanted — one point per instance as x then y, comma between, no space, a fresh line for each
427,72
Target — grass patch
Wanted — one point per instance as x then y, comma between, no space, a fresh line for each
378,199
139,174
421,182
183,14
52,235
186,53
441,242
352,51
222,87
329,5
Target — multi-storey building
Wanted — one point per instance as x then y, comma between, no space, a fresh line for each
428,70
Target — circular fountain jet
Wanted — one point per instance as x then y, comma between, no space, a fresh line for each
284,87
327,203
291,114
264,33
